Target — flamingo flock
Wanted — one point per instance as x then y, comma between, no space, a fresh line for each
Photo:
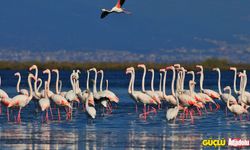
187,102
53,102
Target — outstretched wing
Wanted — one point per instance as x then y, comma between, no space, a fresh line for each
104,14
122,2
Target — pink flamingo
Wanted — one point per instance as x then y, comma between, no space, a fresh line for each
22,100
139,95
116,9
22,91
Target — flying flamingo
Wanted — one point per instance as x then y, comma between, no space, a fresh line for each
235,108
22,100
22,91
139,95
90,109
116,9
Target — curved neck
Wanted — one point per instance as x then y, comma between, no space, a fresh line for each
133,82
31,90
101,81
130,83
60,86
229,92
107,84
143,79
72,82
201,80
183,80
160,82
18,83
152,81
40,84
219,82
57,82
94,86
235,78
87,82
193,76
49,79
164,82
172,84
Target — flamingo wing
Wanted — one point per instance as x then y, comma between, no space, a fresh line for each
104,14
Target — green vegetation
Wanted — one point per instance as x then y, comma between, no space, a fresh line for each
208,64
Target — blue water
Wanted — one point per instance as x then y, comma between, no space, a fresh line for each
123,129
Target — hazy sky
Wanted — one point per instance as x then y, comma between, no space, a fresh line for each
153,25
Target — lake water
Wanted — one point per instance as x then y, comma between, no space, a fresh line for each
123,129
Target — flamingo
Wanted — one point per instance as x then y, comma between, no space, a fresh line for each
22,91
149,92
139,96
44,103
235,76
107,93
90,109
4,98
84,94
116,9
169,98
225,96
235,108
244,95
22,100
159,93
173,112
71,94
209,92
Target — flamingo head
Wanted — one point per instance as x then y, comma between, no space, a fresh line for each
191,82
162,70
190,72
216,69
46,71
227,88
128,71
78,71
170,68
233,68
100,71
55,70
151,70
199,66
177,66
198,72
241,74
32,76
33,67
17,74
141,65
92,69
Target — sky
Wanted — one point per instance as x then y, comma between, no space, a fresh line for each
153,25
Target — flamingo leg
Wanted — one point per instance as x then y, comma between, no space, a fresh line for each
136,108
240,117
47,115
0,108
83,107
226,111
205,109
192,119
7,112
235,117
59,117
19,115
210,106
51,113
199,111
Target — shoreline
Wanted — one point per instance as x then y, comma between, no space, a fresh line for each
207,64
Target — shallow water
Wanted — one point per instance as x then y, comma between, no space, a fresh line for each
123,129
